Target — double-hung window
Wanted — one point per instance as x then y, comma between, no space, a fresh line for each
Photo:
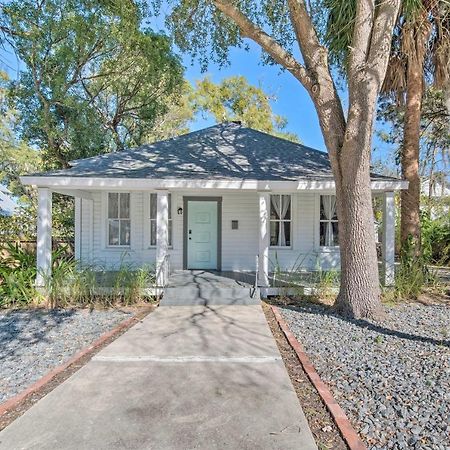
329,231
280,220
153,216
119,225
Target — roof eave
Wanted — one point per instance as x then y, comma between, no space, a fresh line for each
93,183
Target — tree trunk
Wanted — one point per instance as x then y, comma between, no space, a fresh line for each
417,38
410,198
359,294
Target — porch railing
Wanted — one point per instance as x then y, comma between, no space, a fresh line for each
162,276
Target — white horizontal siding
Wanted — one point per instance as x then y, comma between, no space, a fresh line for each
239,247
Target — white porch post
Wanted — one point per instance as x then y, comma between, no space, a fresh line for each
162,232
78,228
264,241
388,249
44,236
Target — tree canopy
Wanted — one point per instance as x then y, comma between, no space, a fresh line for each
235,99
95,79
16,157
232,99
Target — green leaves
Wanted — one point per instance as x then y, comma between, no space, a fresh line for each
16,157
95,79
235,99
338,32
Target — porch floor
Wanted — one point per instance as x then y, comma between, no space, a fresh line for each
211,278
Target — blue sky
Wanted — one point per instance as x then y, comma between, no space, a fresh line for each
292,101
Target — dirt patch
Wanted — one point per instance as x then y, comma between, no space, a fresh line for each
324,429
12,414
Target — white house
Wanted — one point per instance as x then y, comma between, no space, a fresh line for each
213,199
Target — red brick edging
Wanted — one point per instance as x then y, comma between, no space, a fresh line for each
13,402
348,432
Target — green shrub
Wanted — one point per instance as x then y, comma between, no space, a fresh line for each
69,284
436,239
319,285
17,276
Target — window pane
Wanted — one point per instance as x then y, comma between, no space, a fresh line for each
153,206
152,232
124,206
170,205
275,206
274,233
323,231
124,232
324,207
113,232
335,233
286,207
113,206
170,232
287,233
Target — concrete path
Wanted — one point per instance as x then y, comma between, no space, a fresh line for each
186,377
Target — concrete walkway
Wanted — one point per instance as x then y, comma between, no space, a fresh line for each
186,377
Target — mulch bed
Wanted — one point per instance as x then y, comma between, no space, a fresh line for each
23,405
324,429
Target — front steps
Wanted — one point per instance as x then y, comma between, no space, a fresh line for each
186,288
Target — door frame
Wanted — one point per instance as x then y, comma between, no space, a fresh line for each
186,201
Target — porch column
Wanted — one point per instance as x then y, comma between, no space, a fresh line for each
388,245
264,240
44,236
162,233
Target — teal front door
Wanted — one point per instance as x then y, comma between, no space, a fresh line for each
202,234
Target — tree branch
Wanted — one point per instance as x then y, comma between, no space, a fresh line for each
380,43
269,45
306,34
362,33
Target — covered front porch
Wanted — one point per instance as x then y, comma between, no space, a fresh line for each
245,235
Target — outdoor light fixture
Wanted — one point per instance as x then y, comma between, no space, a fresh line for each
180,211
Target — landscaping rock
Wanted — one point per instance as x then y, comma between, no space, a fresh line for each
32,342
392,378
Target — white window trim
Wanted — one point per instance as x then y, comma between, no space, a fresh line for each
105,222
317,246
281,247
146,218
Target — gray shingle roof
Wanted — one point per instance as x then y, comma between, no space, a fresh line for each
226,151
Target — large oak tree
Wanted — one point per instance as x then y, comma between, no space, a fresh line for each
286,32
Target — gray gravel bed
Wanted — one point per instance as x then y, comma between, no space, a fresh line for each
391,378
32,342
